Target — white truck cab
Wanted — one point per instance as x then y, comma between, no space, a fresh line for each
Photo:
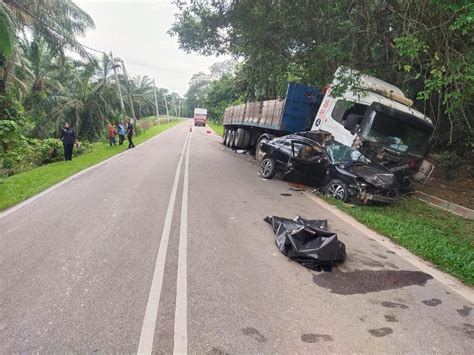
380,118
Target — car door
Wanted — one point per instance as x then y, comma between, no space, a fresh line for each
282,153
308,162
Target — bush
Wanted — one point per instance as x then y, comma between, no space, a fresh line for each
31,153
449,162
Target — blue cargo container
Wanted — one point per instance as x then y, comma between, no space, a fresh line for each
300,108
245,123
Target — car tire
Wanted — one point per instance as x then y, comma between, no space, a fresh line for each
267,168
337,189
258,152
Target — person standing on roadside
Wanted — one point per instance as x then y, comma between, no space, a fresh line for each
111,133
68,136
121,132
130,134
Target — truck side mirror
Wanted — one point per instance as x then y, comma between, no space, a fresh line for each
352,121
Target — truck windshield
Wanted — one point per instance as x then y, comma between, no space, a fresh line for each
399,135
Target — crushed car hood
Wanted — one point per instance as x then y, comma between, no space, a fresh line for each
375,174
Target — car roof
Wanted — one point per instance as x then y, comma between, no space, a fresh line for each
302,138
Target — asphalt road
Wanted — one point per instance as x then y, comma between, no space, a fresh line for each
149,253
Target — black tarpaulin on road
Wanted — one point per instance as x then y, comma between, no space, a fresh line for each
307,241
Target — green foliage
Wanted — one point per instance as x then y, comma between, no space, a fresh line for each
9,134
449,162
6,31
220,94
424,47
218,128
438,236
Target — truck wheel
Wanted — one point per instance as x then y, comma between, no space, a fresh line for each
246,143
224,136
231,139
337,189
239,138
258,152
253,138
267,168
227,138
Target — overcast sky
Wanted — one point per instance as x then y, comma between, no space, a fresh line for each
135,30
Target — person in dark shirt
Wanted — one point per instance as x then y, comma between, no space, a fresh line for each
68,137
130,134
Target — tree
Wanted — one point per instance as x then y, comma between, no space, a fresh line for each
423,46
58,22
220,94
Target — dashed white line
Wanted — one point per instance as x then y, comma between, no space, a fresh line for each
180,316
145,345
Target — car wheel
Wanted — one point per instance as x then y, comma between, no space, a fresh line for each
258,150
337,189
267,168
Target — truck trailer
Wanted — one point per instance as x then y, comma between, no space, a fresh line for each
377,119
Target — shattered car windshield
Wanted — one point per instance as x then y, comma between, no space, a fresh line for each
398,135
340,153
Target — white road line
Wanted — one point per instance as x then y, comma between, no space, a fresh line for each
145,345
180,316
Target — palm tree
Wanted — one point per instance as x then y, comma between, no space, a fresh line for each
57,21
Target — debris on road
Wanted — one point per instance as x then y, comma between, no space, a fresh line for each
296,189
285,194
307,241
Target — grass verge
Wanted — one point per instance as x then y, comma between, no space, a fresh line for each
438,236
218,128
17,188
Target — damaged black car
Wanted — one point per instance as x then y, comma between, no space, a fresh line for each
336,170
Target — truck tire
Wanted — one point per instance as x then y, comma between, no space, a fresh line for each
247,136
227,138
258,153
231,139
267,168
253,138
224,136
239,138
337,189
